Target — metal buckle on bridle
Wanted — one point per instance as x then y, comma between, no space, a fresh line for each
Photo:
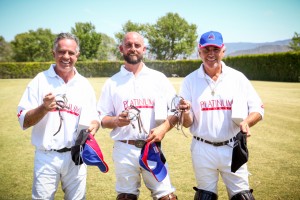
135,114
61,102
178,113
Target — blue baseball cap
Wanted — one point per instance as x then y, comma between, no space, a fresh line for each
211,38
152,160
92,155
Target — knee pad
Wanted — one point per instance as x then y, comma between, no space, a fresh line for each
204,195
169,197
126,196
244,195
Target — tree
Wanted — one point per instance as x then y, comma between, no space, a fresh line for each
129,27
90,40
295,43
5,50
107,48
33,46
171,37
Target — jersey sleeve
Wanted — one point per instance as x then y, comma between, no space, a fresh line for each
28,101
105,105
255,103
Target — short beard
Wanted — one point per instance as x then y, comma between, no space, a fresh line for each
131,61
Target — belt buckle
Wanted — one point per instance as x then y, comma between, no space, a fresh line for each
139,143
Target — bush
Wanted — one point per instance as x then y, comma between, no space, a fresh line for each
284,67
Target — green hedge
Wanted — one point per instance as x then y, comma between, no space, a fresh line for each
98,69
180,67
284,67
22,69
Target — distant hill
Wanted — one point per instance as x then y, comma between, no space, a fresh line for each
247,48
266,49
244,48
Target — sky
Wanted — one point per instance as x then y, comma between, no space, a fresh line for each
253,21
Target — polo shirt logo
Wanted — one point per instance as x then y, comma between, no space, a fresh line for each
219,104
139,103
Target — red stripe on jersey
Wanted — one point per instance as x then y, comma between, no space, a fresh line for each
19,114
216,108
145,106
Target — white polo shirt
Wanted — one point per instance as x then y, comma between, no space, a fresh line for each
81,108
212,113
150,89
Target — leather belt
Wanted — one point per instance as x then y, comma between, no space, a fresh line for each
137,143
62,150
216,144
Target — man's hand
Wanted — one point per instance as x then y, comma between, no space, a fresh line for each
159,132
49,102
250,121
33,116
184,105
245,128
94,126
187,119
156,134
122,119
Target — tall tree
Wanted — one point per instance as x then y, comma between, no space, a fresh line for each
171,37
107,48
295,43
33,46
129,26
90,40
5,50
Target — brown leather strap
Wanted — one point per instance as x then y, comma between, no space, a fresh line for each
132,142
136,143
171,196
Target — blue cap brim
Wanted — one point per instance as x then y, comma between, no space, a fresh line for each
149,155
92,155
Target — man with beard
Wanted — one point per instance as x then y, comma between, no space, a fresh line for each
134,104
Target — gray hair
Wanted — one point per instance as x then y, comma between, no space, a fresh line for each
66,36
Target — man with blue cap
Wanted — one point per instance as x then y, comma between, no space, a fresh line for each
220,105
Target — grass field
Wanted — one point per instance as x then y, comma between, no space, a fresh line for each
274,161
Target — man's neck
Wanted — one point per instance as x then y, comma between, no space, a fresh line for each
134,68
214,72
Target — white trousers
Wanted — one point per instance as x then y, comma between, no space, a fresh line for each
210,161
50,168
128,173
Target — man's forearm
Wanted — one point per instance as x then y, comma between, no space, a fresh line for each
187,119
33,116
253,118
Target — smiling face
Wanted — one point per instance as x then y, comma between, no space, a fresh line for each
212,56
133,48
65,55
